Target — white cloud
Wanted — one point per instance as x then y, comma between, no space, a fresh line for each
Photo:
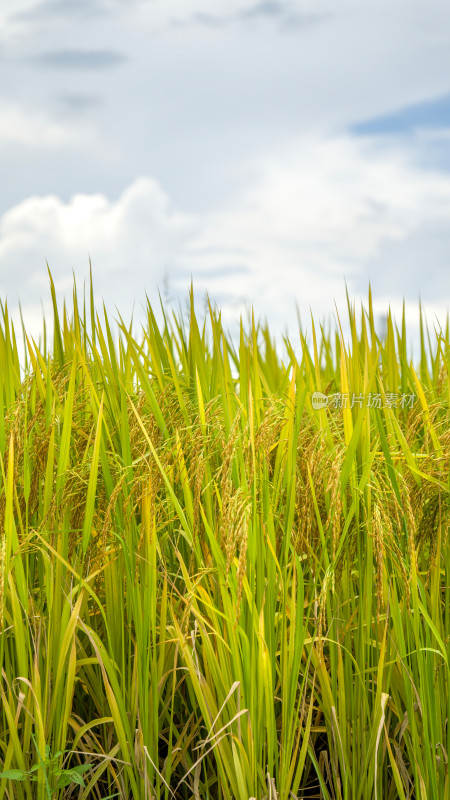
183,109
324,209
316,212
132,243
23,126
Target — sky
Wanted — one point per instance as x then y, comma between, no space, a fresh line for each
274,153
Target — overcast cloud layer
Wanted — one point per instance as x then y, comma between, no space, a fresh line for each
268,150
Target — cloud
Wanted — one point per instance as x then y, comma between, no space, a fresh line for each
36,130
318,211
51,9
268,8
326,209
132,242
289,15
292,17
78,102
80,59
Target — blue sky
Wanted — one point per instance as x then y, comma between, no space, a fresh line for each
432,114
269,150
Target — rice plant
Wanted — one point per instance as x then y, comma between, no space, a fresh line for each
224,572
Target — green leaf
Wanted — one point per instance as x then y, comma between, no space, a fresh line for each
14,775
92,486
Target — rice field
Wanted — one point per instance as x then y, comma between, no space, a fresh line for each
224,570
